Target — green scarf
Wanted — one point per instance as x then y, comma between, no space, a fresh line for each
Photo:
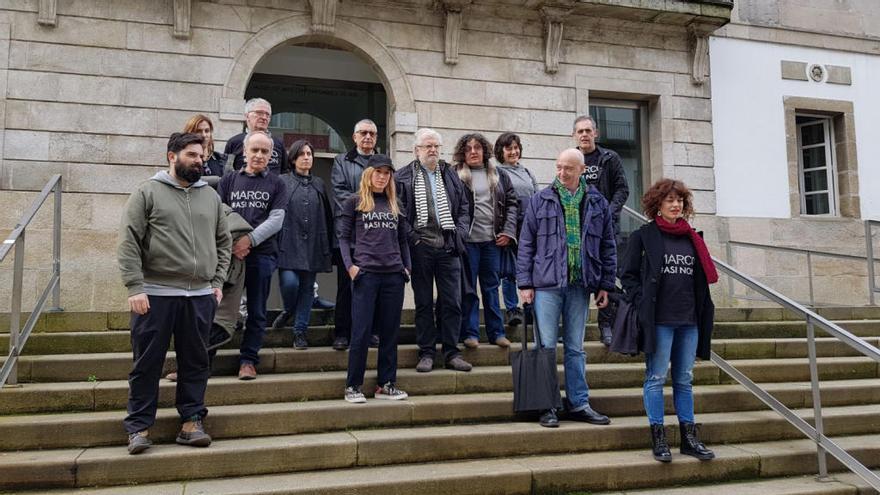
571,207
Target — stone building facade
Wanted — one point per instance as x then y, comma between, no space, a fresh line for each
92,88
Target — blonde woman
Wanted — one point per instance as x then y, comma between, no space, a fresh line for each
373,239
213,161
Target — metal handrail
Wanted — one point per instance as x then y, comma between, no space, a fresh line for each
823,444
18,336
810,253
869,251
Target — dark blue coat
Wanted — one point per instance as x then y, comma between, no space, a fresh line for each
542,261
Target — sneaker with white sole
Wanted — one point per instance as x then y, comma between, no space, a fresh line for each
389,391
354,395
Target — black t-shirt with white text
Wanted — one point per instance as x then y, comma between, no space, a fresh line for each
591,161
675,293
253,197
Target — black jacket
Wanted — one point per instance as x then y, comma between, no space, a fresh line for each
307,236
641,278
505,206
345,176
459,206
612,182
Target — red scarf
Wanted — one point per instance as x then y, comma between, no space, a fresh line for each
680,228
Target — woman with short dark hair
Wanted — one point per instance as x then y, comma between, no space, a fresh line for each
667,274
305,241
493,213
508,151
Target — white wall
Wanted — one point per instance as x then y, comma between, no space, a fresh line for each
751,170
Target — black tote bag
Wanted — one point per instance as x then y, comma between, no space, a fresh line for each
535,381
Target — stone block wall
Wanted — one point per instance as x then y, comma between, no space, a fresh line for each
96,96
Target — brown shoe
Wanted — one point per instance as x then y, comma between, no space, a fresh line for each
471,343
171,377
502,342
247,372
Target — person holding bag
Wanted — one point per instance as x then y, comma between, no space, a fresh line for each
667,274
373,239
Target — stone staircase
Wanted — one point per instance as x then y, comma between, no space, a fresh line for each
290,432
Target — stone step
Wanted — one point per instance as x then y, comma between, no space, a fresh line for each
89,429
837,484
290,387
117,365
79,342
67,321
341,457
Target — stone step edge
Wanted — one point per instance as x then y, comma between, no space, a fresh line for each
595,471
840,483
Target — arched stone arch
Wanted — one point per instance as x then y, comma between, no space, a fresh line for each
402,119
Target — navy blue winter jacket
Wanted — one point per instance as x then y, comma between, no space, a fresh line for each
542,260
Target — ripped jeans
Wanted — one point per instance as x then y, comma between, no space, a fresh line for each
676,344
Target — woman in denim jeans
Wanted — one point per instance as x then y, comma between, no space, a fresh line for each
305,242
667,274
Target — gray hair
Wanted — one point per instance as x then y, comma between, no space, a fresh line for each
251,134
584,118
424,133
365,122
253,102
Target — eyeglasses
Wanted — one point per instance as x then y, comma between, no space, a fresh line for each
261,113
429,146
366,133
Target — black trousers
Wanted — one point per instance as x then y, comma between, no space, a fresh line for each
377,299
188,320
432,265
606,315
342,311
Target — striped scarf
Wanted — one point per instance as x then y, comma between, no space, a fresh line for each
571,208
441,202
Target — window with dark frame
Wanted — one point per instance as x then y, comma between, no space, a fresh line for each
816,165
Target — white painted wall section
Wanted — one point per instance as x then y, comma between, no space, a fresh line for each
751,164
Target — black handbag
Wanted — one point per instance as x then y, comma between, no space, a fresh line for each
535,379
508,263
625,332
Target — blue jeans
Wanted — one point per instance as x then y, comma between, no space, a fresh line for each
677,344
485,261
509,292
297,293
258,270
570,303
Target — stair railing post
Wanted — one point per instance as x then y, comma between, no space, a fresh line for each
817,399
810,279
869,249
15,310
56,249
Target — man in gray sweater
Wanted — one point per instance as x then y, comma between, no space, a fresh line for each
173,253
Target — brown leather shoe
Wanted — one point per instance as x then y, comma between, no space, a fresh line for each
471,343
247,372
502,342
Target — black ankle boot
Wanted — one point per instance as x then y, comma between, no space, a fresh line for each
691,444
659,446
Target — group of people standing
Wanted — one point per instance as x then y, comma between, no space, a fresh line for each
428,223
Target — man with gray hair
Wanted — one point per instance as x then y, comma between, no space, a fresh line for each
346,180
603,170
434,200
257,113
260,198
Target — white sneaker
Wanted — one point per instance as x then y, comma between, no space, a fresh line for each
354,395
389,391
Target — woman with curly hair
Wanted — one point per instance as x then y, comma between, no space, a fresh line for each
667,274
493,212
